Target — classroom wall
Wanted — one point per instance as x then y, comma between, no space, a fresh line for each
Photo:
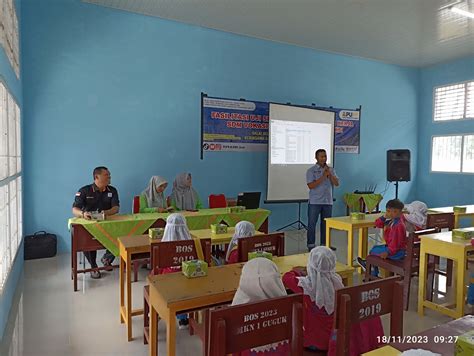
105,87
8,77
442,189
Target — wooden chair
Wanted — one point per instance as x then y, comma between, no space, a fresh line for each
273,243
407,267
139,260
170,254
238,328
144,259
366,301
136,204
173,253
217,201
146,314
231,201
442,221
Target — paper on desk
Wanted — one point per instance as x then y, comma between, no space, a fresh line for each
419,352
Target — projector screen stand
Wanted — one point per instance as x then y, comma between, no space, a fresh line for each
299,224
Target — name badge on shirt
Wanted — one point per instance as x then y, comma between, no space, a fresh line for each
109,195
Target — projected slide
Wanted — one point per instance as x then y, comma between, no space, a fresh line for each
295,133
294,142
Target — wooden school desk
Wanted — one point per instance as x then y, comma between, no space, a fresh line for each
129,246
217,239
439,339
173,293
345,223
90,235
444,245
386,350
141,244
457,216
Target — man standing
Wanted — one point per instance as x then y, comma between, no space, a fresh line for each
320,179
97,197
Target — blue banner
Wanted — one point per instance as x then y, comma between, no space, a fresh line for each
347,131
234,125
239,125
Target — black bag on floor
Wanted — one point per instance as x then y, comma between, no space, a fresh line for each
40,245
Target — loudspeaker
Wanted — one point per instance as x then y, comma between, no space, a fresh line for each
398,165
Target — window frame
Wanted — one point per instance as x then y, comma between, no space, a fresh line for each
462,153
12,246
465,102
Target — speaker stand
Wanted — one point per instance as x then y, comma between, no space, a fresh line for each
300,225
396,190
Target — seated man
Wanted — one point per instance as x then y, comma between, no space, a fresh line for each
97,197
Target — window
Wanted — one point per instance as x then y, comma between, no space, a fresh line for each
10,182
9,35
454,102
453,153
468,154
470,100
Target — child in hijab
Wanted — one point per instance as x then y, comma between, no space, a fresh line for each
415,216
176,230
319,284
260,280
152,199
184,197
242,229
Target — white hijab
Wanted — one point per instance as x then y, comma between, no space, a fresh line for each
322,280
242,229
176,229
260,280
153,198
417,212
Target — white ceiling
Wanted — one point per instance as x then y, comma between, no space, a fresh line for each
405,32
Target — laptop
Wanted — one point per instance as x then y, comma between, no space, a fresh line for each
251,200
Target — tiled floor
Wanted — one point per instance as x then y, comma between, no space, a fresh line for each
48,318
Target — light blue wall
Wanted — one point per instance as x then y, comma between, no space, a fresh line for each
442,189
104,87
13,84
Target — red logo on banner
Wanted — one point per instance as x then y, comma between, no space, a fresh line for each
215,147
